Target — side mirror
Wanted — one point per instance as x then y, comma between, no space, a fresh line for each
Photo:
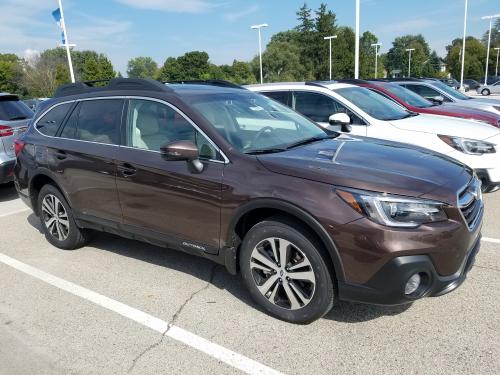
437,99
182,150
341,119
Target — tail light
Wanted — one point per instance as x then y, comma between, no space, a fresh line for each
6,131
18,146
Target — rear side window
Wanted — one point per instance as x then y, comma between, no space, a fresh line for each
425,91
284,97
12,109
95,121
52,120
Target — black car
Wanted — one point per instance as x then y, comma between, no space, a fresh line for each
473,84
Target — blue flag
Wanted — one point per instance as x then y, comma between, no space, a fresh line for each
57,15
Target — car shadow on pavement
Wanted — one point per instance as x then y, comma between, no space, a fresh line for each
216,275
8,192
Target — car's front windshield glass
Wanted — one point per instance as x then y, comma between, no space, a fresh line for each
450,90
408,96
253,123
373,104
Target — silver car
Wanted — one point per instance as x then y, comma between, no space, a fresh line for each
489,89
14,119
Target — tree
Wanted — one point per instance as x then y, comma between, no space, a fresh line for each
10,73
367,57
241,73
475,56
397,57
192,65
142,67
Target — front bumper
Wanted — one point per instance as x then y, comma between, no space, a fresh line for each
7,171
387,286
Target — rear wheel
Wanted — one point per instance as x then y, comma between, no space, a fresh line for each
285,272
57,220
485,92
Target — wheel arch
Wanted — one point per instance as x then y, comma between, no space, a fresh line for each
259,209
36,184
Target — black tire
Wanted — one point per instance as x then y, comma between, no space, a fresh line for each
323,296
75,236
485,92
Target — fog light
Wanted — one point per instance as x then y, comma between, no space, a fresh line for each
412,284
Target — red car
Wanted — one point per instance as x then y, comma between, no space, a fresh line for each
416,103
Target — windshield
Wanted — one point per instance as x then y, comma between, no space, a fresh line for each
253,123
14,109
450,90
373,104
408,96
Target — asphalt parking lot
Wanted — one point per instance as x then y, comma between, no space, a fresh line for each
119,306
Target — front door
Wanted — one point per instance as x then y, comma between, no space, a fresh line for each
167,199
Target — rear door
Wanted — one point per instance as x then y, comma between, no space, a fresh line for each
82,156
14,119
166,199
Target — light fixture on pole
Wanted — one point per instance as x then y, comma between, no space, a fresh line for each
377,48
491,18
329,38
496,69
356,44
463,50
409,50
258,27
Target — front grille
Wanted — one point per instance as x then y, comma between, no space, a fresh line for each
470,202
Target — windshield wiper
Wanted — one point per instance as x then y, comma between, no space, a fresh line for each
311,140
270,150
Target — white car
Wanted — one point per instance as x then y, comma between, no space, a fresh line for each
359,111
489,89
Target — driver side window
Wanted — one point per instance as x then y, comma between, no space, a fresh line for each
151,125
425,91
319,107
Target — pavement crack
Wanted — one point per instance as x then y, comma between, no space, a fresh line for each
174,319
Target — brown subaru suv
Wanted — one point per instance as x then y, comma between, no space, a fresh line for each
306,216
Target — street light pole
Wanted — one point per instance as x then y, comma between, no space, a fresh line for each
489,42
376,45
463,49
258,27
356,44
496,69
329,38
409,50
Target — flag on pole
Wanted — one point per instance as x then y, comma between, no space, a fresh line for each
56,14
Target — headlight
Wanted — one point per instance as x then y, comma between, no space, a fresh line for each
393,211
468,146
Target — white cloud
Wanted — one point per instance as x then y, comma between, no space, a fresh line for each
235,16
31,55
179,6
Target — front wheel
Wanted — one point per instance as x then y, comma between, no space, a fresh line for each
57,220
285,271
485,92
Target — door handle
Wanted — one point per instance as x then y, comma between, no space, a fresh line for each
127,170
61,155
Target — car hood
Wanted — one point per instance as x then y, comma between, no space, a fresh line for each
466,112
373,164
485,101
445,125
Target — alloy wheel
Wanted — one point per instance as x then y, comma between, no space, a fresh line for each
282,273
55,217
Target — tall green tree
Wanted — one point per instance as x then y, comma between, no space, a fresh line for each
475,56
10,73
192,65
367,57
397,57
142,67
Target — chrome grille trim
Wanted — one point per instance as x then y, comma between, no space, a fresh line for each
470,203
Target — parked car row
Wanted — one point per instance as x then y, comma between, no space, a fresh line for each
328,191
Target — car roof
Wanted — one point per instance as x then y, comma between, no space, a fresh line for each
330,85
6,94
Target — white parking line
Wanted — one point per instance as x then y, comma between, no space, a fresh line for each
15,212
487,239
218,352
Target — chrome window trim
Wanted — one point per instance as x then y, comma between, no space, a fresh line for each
225,161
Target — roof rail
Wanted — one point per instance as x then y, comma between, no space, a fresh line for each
320,83
353,81
211,82
114,84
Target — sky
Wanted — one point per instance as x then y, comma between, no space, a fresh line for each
123,29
